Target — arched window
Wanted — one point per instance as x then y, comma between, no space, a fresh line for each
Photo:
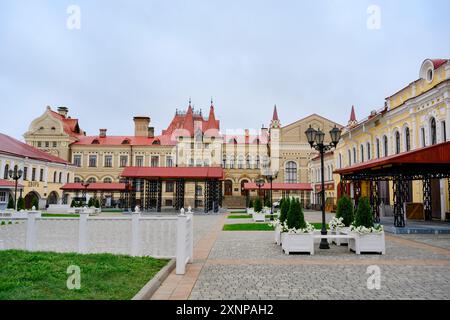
354,155
362,153
228,187
340,161
397,142
224,161
231,161
378,147
77,180
60,177
54,176
385,146
241,162
107,180
349,157
257,162
92,180
407,139
248,162
433,131
443,131
290,172
368,151
68,178
5,174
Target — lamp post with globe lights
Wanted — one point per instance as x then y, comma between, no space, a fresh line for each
15,175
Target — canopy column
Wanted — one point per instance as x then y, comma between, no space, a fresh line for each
427,204
399,199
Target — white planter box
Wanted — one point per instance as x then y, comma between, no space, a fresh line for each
58,208
368,242
278,235
259,217
250,210
302,242
342,232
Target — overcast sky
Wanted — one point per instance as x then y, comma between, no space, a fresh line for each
148,57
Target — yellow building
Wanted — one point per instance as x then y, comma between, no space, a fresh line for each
412,118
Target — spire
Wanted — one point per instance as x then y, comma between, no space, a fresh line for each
275,123
352,121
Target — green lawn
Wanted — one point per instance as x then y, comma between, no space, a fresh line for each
240,216
258,227
59,215
42,275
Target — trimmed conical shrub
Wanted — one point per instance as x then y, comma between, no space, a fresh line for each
364,215
11,203
250,203
257,205
295,217
20,204
34,203
267,202
285,204
345,210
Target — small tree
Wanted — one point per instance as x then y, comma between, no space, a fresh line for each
90,202
284,209
250,203
257,205
35,203
364,215
345,210
11,203
20,204
295,217
267,202
97,203
73,204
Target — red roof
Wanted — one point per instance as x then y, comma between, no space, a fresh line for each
70,125
432,155
9,184
173,172
438,62
275,114
96,186
120,140
352,114
279,186
11,146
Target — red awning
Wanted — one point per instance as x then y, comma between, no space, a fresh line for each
173,172
433,155
96,186
9,184
279,186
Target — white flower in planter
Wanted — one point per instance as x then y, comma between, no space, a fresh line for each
336,223
364,230
309,228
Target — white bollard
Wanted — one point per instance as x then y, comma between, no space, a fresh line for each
135,235
31,231
181,245
83,232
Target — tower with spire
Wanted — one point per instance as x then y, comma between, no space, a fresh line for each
275,122
352,121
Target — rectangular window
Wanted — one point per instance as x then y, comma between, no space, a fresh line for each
444,132
422,131
169,186
77,160
123,161
33,174
47,144
154,161
108,161
169,161
39,144
3,196
41,175
25,173
54,144
139,161
92,161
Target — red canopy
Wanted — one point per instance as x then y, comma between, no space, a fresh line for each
279,186
96,186
9,184
173,172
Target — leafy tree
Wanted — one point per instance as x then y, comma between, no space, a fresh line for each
35,203
20,204
257,205
250,203
295,216
10,203
285,204
345,210
364,214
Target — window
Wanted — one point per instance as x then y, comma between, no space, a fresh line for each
378,147
444,131
54,176
3,197
25,173
257,162
241,162
107,180
340,161
248,162
349,157
362,153
198,191
123,161
68,177
154,161
92,180
368,151
422,133
169,161
224,161
41,175
108,161
386,146
354,155
33,174
5,174
54,144
39,144
60,177
169,186
77,180
77,160
430,75
231,161
47,144
92,161
407,139
397,142
191,162
139,161
291,172
433,131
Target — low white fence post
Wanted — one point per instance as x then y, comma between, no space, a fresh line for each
30,244
181,244
135,236
83,232
191,238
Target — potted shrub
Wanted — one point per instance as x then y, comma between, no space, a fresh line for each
258,215
278,223
10,203
298,235
367,237
340,225
250,209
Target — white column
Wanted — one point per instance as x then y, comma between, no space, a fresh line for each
135,248
31,231
414,135
83,232
181,244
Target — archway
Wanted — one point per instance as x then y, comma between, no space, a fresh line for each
29,199
52,198
243,191
228,187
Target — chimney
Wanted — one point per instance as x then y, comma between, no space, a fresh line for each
141,125
102,133
63,111
151,132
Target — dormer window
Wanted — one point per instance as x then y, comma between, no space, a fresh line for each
430,75
126,141
95,141
156,142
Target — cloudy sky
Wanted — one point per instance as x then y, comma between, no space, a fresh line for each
148,57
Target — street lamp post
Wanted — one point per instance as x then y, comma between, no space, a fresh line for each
270,176
85,186
15,175
315,140
259,184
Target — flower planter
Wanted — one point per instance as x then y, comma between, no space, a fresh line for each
298,242
278,235
340,231
367,242
259,217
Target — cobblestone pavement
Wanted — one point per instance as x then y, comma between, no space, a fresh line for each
248,265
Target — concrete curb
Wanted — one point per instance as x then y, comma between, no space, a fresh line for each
149,289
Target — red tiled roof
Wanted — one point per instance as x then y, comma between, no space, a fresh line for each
96,186
70,125
11,146
9,184
432,155
352,114
132,140
438,62
275,114
278,186
173,172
